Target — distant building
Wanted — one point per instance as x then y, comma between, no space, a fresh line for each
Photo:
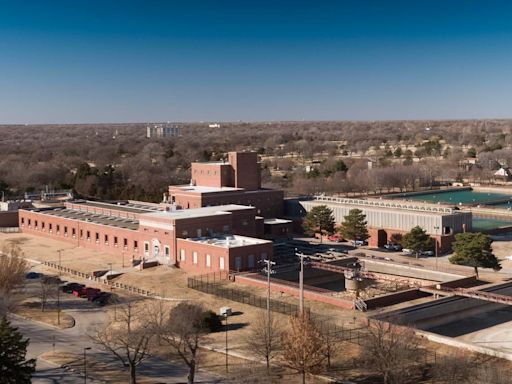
163,130
214,125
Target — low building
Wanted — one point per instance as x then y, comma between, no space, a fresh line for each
388,218
143,233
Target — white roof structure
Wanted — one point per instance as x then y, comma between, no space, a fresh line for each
229,241
502,172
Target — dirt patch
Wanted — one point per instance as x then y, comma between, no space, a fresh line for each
50,316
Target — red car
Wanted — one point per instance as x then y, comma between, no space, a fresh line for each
336,238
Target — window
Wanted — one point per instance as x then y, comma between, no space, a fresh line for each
199,232
221,263
58,228
42,224
81,233
146,247
73,232
135,244
250,261
106,239
167,251
35,224
65,231
194,257
88,235
97,237
29,222
115,241
208,261
125,243
238,263
22,220
182,254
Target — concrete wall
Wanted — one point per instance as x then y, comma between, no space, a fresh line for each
293,290
407,271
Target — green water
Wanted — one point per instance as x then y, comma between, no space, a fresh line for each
456,197
480,224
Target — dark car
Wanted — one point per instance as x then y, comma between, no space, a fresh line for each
33,275
104,298
70,287
91,293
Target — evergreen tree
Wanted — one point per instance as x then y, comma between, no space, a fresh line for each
417,240
474,249
354,226
14,369
319,220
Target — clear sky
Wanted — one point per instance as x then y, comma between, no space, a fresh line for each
134,61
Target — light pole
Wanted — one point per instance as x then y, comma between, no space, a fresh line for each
301,281
436,228
268,269
85,363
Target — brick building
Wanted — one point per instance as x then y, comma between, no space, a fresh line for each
235,181
199,240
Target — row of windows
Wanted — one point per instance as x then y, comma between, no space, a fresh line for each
97,235
251,260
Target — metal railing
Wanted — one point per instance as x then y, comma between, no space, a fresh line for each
214,284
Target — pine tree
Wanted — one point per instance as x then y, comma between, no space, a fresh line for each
417,240
474,250
319,220
14,369
354,226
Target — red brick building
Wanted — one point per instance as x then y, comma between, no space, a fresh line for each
199,240
235,181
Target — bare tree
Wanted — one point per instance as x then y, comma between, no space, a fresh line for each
48,289
303,346
392,351
331,336
184,330
12,274
264,339
128,338
12,268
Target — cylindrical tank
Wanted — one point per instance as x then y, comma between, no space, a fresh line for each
351,284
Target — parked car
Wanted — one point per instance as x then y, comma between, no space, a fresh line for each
91,293
33,275
427,253
407,251
335,237
360,242
104,298
70,287
393,247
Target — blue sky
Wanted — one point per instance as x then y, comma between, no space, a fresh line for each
135,61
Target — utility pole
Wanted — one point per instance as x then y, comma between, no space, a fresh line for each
435,244
268,269
301,281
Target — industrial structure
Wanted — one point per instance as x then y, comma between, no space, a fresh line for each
388,218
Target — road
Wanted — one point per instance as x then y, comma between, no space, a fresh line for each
44,338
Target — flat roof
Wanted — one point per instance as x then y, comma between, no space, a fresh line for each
130,207
212,162
195,212
275,220
228,241
203,189
93,218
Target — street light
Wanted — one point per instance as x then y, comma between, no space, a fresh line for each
85,363
436,228
268,269
301,281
